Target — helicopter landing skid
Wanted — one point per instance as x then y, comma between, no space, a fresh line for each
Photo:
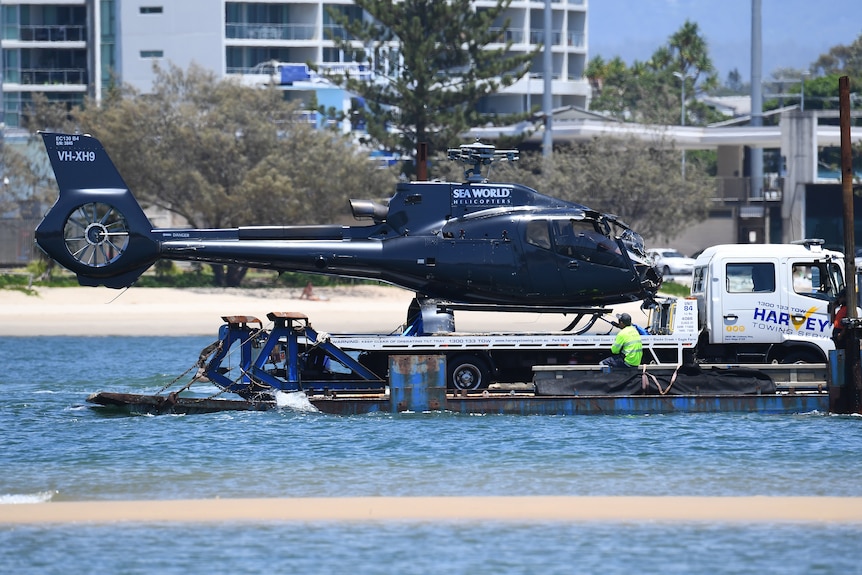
594,313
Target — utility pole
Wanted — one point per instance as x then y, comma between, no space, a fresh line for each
547,96
682,78
756,97
847,397
2,79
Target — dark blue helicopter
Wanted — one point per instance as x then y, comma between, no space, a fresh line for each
473,242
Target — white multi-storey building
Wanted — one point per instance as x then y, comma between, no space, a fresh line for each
69,48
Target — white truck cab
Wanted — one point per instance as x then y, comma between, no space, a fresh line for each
766,303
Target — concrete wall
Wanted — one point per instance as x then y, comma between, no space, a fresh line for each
799,149
701,235
183,32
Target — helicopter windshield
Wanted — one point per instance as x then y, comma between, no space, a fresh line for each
581,239
633,242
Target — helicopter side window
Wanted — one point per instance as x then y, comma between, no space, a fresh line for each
579,239
564,239
538,235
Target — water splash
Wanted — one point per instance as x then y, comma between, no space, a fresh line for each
41,497
294,400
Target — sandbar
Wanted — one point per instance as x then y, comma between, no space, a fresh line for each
490,508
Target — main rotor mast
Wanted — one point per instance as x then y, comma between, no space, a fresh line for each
477,155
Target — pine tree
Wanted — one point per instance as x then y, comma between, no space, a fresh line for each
433,61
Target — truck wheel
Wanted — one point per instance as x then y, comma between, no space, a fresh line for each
468,372
801,357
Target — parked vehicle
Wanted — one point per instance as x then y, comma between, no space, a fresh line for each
671,262
766,303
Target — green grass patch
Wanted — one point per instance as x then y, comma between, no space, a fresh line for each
675,289
179,280
172,276
15,281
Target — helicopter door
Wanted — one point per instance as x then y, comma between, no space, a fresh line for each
589,262
477,266
541,261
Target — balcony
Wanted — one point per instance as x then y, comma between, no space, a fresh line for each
738,190
47,76
353,69
513,35
242,31
280,72
43,33
537,36
335,32
575,39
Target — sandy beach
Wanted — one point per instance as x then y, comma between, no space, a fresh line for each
88,311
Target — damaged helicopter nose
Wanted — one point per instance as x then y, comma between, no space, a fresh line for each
652,279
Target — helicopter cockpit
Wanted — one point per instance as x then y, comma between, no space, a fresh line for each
582,239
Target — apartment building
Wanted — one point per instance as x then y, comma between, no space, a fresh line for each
67,49
47,48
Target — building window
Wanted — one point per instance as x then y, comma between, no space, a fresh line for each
152,53
151,9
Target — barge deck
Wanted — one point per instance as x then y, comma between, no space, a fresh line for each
485,404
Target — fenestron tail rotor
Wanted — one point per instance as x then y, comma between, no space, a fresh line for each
96,234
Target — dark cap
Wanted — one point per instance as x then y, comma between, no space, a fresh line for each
625,319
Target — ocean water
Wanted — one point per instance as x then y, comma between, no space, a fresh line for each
57,448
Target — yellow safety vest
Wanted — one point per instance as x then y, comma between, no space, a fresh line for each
628,342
